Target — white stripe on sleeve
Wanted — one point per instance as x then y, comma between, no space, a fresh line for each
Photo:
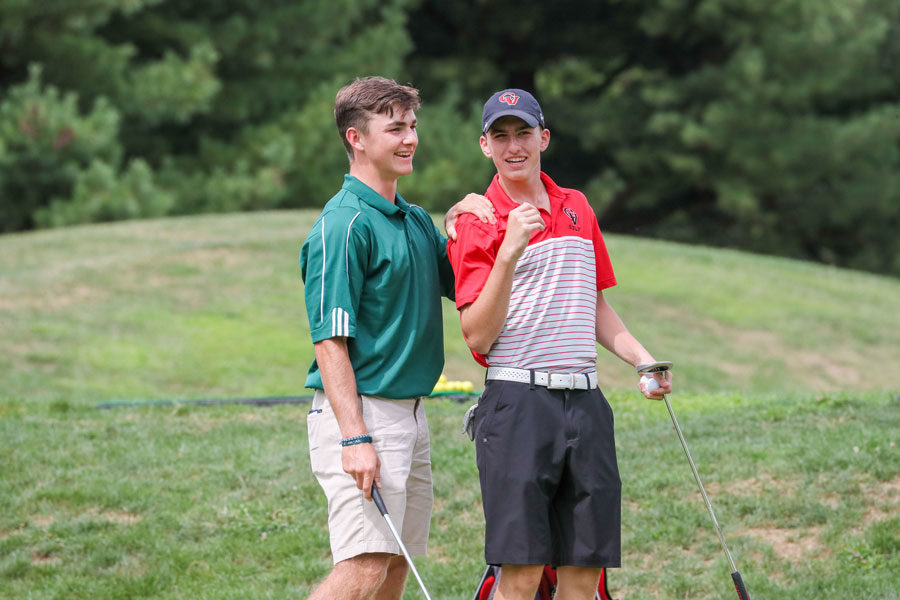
347,248
340,322
322,297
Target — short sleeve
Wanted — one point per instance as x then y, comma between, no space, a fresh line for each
332,262
472,256
605,276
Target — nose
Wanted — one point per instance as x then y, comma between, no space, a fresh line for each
411,137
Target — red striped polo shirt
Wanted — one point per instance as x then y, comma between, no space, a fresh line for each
553,304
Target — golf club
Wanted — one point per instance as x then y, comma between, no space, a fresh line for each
662,367
376,496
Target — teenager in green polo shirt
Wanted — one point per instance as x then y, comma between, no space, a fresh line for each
374,269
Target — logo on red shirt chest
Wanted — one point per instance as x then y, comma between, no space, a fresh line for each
573,216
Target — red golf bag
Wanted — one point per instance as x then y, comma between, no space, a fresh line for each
545,589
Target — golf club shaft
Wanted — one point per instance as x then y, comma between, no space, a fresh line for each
736,577
379,502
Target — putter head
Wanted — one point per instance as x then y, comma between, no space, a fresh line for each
660,366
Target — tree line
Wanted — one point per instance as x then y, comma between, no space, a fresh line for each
771,126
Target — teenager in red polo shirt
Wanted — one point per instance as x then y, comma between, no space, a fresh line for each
530,294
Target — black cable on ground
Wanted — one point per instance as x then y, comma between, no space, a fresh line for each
264,401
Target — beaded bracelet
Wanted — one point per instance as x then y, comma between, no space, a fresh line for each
357,439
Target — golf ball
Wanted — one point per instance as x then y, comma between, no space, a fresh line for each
650,383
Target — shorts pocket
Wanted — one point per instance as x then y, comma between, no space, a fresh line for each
320,423
490,403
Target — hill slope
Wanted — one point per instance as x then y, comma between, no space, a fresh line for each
212,306
219,502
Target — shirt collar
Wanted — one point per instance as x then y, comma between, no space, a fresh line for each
504,204
373,198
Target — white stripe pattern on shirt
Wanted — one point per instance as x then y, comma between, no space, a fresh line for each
340,322
322,295
552,309
347,248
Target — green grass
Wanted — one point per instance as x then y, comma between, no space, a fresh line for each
190,502
786,394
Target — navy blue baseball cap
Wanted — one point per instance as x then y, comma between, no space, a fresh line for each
512,102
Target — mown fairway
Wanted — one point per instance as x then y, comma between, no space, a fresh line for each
787,394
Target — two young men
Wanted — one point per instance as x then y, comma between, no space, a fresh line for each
375,268
529,290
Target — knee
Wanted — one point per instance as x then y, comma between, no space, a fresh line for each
366,570
520,581
577,582
397,567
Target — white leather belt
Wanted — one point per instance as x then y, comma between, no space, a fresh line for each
549,380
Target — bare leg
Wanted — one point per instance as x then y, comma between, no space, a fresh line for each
394,581
518,582
577,583
357,578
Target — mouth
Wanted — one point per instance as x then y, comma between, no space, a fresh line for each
516,160
403,154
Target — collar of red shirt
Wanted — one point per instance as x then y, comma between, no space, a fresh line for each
503,203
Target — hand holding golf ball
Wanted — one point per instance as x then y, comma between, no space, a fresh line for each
650,386
655,381
650,383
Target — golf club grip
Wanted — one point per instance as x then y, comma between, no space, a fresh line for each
376,496
739,586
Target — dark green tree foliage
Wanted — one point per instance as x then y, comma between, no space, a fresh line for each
268,138
771,126
206,105
62,156
45,144
766,125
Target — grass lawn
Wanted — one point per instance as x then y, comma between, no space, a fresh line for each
784,395
218,502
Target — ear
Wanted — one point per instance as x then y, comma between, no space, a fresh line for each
545,139
355,138
484,146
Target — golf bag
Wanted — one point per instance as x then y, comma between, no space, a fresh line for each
545,589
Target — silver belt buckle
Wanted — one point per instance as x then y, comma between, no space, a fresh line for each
570,385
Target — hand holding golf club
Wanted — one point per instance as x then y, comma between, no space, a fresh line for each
655,385
362,463
663,367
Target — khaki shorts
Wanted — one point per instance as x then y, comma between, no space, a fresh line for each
400,435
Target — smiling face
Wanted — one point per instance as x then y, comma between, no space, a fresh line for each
515,147
388,144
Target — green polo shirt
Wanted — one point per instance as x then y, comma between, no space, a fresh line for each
374,272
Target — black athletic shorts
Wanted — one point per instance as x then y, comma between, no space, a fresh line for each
549,479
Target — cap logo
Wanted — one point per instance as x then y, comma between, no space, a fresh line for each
509,98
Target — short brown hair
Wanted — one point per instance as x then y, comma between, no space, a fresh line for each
356,102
